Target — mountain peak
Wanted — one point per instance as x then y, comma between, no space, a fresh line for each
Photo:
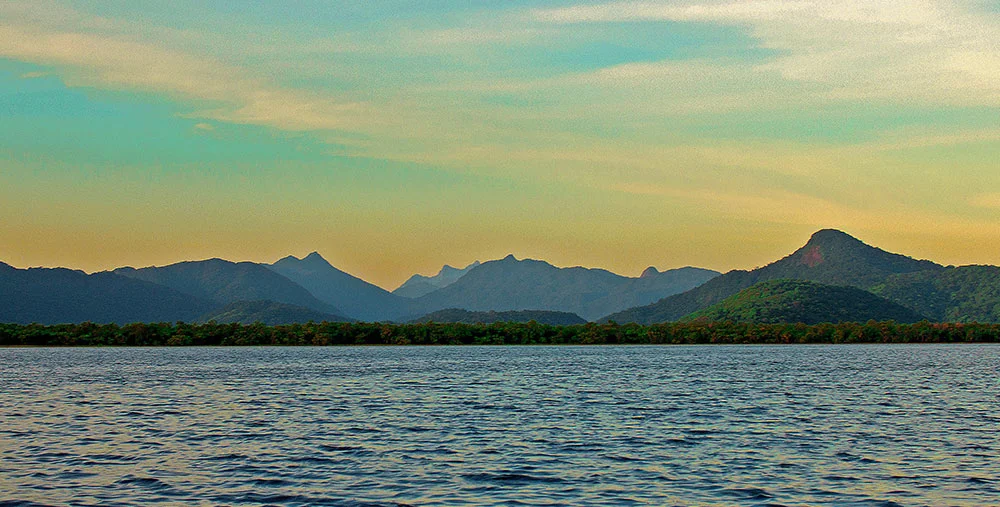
510,258
314,257
828,236
649,272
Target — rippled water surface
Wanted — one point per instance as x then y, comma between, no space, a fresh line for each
714,425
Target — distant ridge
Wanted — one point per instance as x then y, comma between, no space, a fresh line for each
454,315
354,297
65,296
830,257
226,282
420,285
511,284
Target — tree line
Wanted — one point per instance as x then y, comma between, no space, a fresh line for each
501,333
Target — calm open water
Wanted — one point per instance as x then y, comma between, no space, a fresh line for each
712,425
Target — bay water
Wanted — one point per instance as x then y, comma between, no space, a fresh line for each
866,425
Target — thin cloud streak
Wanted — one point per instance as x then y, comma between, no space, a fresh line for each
935,52
220,91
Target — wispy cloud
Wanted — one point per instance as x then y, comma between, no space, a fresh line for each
932,51
673,11
223,91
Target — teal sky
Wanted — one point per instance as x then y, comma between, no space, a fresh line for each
396,136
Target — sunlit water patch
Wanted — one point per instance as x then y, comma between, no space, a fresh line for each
762,426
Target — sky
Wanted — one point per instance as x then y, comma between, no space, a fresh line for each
396,136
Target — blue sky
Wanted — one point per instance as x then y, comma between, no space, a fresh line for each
398,136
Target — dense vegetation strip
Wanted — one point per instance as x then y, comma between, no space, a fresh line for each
503,333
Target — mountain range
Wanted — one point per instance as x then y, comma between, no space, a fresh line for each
838,268
511,284
420,285
59,295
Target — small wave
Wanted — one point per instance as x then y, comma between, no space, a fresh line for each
750,493
252,498
143,482
511,477
270,483
224,457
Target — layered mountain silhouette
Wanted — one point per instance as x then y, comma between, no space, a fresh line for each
830,257
268,312
512,284
778,301
466,317
835,264
63,296
420,285
225,282
354,297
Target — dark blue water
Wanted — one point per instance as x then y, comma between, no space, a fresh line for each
714,425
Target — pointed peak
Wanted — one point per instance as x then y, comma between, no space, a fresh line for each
510,258
314,256
649,272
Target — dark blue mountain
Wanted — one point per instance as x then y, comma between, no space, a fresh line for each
354,297
225,282
61,296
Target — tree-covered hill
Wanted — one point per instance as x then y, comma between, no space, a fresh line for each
268,312
455,315
830,257
793,301
962,294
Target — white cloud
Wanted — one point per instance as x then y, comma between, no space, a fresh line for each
931,51
673,11
117,61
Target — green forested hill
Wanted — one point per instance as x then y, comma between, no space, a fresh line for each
792,301
268,312
830,257
455,315
962,294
